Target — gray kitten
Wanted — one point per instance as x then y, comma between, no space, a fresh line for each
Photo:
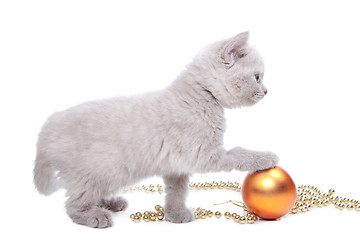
96,148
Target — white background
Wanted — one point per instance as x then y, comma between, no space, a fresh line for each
55,54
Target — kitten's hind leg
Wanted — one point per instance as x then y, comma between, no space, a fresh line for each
176,189
85,210
115,204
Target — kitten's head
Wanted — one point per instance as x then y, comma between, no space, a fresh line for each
236,72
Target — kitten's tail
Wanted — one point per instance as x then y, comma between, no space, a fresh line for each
44,176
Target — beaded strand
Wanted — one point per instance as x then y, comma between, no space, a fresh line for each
308,197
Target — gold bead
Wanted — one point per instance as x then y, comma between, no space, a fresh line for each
357,207
242,219
146,218
210,213
250,220
160,216
197,215
331,191
349,207
320,203
158,208
152,216
227,215
217,214
294,210
139,214
132,217
236,218
136,219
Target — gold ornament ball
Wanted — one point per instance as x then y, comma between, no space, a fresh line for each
270,193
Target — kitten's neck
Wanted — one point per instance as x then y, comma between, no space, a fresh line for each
191,88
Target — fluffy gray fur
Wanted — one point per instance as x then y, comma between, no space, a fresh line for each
96,148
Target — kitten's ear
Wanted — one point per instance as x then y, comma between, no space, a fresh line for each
234,49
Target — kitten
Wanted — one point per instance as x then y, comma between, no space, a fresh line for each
96,148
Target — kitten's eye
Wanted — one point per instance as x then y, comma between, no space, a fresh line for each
257,78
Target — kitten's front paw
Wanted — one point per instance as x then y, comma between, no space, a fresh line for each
264,160
179,216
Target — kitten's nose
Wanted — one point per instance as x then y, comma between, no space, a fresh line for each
265,91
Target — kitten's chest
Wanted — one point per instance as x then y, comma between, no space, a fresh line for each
204,127
203,138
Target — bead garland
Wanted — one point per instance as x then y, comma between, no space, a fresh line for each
308,197
148,215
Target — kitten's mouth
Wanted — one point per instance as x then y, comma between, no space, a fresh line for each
258,96
255,98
